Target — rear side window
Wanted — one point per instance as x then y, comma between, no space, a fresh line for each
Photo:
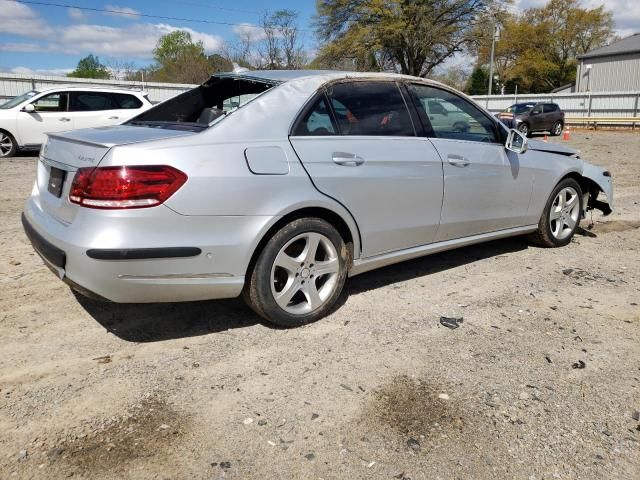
317,121
370,108
550,107
125,101
91,101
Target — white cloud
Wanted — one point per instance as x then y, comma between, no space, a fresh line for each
248,30
56,72
19,19
133,41
77,14
124,12
21,47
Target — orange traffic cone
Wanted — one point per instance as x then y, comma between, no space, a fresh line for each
566,136
546,138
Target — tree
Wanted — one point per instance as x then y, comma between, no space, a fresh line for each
478,82
90,67
282,45
409,36
179,59
538,49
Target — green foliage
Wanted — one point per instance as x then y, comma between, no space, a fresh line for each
181,60
478,82
537,50
410,36
90,67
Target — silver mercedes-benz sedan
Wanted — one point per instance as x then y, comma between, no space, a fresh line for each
277,185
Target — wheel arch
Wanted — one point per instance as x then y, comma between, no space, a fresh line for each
347,229
588,187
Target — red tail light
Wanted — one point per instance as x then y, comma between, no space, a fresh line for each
125,187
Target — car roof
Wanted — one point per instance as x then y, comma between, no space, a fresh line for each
281,76
90,89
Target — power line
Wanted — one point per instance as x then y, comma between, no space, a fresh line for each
131,14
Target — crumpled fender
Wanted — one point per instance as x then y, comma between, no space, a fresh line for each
602,178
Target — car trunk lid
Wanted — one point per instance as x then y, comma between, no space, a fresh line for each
63,154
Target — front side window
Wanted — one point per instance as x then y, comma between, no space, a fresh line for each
54,102
537,110
370,108
317,121
455,118
91,101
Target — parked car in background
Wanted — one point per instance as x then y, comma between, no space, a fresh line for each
302,180
533,117
25,120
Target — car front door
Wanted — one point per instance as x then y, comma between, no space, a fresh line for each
536,118
486,187
358,144
50,115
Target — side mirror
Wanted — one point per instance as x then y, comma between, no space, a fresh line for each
29,108
516,142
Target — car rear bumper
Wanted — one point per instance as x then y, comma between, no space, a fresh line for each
121,258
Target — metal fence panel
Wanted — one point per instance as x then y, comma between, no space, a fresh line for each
12,85
609,104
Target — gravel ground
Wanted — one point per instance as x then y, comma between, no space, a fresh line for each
541,380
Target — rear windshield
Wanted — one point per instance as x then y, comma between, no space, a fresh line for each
198,108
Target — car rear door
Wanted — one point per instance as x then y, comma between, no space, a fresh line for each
358,144
126,106
93,109
50,116
486,187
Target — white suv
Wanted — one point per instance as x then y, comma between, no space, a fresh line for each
25,120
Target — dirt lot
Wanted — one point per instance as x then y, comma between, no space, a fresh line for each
378,390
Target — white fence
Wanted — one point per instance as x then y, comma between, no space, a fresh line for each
12,85
605,104
583,105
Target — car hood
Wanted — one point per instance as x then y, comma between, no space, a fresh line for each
551,148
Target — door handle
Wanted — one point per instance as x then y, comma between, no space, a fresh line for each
458,160
114,118
347,159
65,119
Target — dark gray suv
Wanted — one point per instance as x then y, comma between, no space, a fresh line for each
534,117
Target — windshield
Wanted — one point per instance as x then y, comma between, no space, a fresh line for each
18,100
519,108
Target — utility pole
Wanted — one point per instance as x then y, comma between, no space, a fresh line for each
493,50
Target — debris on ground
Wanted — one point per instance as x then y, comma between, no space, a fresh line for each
579,365
451,322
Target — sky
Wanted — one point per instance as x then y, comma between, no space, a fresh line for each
45,39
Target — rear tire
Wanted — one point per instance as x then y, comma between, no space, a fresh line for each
299,275
561,216
556,130
8,146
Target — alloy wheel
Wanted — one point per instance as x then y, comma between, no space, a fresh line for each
557,129
564,213
6,145
305,273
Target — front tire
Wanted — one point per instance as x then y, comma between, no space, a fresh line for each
299,275
524,129
561,216
8,146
